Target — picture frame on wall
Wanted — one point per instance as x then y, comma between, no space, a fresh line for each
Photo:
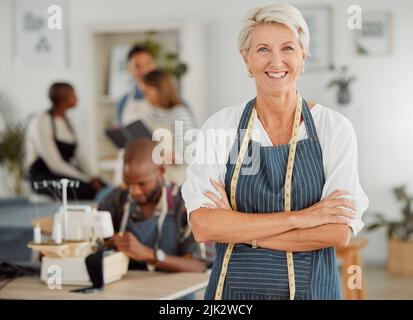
319,23
375,35
36,44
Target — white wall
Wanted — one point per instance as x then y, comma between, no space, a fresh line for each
380,110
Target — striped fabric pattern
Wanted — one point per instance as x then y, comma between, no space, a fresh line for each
168,119
262,273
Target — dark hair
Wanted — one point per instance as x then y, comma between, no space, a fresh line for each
58,92
139,151
162,81
138,49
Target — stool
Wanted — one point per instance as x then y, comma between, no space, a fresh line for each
350,255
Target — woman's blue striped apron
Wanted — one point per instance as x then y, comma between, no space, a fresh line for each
261,273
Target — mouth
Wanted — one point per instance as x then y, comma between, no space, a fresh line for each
276,75
140,199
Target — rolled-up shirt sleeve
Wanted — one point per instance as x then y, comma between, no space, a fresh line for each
204,166
340,156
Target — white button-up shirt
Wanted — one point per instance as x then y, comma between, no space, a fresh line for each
336,136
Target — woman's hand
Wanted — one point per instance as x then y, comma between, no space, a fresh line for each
96,183
332,209
220,203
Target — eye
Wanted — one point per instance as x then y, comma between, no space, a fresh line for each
288,48
263,50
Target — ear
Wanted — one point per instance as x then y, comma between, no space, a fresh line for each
244,54
303,59
304,55
161,170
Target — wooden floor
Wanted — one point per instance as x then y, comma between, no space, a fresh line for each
382,285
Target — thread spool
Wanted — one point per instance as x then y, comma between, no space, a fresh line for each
57,232
37,234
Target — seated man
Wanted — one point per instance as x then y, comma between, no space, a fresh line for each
157,234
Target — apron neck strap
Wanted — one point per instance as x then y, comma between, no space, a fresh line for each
309,122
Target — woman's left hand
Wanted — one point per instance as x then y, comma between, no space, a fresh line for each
220,202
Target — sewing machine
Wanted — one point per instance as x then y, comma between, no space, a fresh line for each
77,231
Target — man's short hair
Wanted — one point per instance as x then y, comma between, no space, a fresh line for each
139,151
136,49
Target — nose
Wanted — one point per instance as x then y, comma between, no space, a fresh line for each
135,190
276,59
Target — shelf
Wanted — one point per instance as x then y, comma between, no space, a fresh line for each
109,165
106,100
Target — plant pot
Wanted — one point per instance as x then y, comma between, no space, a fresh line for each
343,95
400,257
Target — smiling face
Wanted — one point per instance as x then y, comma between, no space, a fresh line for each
140,64
275,59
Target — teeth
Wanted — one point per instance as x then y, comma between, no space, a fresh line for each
277,75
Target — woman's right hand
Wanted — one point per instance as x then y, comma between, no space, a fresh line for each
96,183
332,209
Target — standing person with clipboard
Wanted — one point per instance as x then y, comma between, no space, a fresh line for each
132,105
286,191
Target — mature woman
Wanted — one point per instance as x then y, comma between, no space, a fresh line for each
290,177
53,151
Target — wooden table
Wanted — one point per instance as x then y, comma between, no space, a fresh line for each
350,256
135,285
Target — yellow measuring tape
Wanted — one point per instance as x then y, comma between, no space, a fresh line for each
287,195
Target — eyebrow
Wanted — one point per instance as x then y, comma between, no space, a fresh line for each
265,44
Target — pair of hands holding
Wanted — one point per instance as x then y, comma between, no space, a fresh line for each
332,209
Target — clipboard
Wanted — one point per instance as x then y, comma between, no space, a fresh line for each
121,136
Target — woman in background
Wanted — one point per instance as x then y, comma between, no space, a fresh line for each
168,112
52,148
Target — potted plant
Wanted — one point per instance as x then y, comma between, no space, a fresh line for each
342,81
12,136
169,61
400,235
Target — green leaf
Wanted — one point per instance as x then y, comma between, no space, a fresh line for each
167,60
12,140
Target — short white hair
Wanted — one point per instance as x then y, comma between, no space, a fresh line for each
282,13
